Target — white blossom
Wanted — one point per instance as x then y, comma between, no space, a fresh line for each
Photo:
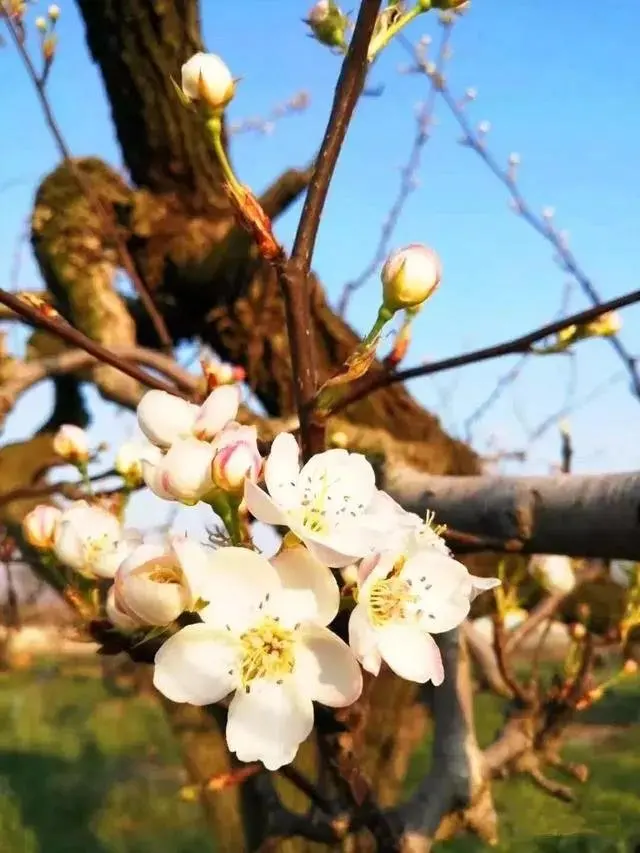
92,541
404,596
332,504
165,418
158,582
263,639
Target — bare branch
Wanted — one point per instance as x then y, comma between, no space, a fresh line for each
543,226
514,346
64,330
582,516
408,175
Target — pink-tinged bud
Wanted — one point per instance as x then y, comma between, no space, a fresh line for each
40,525
237,459
72,444
409,277
206,78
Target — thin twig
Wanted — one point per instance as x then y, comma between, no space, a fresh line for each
515,346
294,273
407,181
71,335
125,258
565,258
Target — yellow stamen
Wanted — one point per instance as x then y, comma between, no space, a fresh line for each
389,600
268,652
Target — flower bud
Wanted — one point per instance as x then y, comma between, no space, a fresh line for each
41,24
53,12
129,461
630,667
72,443
91,540
237,459
183,474
157,583
206,78
40,525
409,277
328,23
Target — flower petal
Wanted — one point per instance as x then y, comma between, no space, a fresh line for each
480,585
444,589
311,590
220,407
151,602
238,582
164,418
193,666
261,506
281,471
345,482
187,469
195,562
411,653
336,548
153,476
363,641
326,669
269,723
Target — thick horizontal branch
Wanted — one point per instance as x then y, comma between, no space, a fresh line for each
582,516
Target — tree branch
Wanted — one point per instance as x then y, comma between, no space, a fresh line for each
582,516
514,346
58,326
293,274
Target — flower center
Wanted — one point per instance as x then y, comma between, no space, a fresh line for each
390,600
94,548
164,574
267,652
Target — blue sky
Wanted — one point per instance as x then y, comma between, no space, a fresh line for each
557,81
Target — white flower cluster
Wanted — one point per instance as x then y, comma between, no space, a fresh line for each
263,637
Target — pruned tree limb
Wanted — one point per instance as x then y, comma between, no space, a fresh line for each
581,515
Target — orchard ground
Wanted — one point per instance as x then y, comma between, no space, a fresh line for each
88,769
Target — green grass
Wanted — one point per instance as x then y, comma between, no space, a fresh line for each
83,771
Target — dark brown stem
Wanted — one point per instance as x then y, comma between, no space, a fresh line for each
514,346
125,258
64,330
294,273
